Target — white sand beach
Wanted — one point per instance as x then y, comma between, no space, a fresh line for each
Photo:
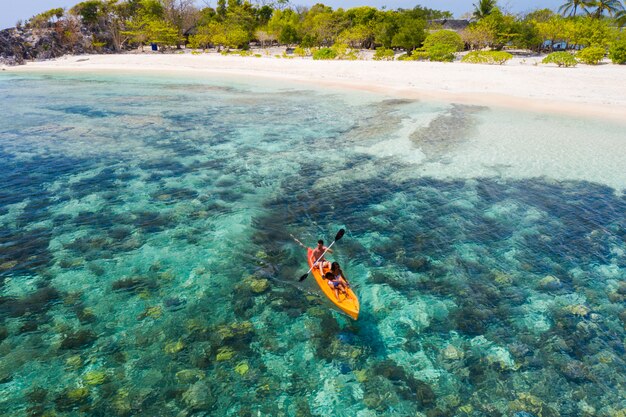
595,91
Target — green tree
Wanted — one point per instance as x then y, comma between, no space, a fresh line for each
424,13
149,25
152,31
90,11
359,36
206,15
264,14
609,6
539,15
484,8
284,26
241,15
617,52
162,32
127,9
570,7
410,35
360,32
478,36
151,9
288,35
555,30
104,20
588,31
494,30
620,18
385,28
202,38
221,8
527,36
321,26
364,15
182,14
222,34
46,18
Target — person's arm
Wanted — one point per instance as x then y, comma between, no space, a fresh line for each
344,277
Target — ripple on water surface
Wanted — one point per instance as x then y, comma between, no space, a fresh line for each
147,268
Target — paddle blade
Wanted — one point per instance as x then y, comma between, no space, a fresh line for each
340,234
303,277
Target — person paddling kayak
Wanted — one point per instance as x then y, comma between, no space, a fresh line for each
318,254
330,286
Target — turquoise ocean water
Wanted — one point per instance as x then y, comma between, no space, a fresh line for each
147,267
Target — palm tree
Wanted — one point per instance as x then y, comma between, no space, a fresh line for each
484,8
571,7
610,6
620,18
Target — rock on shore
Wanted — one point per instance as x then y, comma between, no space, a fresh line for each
20,44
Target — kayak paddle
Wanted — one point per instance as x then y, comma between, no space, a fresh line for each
337,237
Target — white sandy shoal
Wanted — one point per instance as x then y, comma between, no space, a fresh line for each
595,91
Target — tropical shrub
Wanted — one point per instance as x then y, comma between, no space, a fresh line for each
562,59
487,57
441,45
324,53
420,56
447,38
441,53
301,52
341,49
591,55
617,52
383,54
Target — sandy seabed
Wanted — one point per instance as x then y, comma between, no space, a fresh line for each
594,91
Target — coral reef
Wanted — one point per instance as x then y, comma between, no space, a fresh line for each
147,268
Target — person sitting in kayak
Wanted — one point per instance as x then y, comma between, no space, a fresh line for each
335,269
335,283
319,252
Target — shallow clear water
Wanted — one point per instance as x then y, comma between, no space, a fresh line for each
147,267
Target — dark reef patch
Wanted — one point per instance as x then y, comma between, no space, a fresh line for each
446,131
35,303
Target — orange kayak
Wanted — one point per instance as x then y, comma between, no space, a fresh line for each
348,303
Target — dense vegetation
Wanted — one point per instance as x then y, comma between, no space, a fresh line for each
328,34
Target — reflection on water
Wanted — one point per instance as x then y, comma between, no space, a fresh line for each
147,268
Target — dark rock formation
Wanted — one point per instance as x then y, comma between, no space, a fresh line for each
22,43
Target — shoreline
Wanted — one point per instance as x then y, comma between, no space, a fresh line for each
584,91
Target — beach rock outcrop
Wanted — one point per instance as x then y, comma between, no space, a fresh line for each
20,44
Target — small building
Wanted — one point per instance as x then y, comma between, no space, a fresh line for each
456,25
